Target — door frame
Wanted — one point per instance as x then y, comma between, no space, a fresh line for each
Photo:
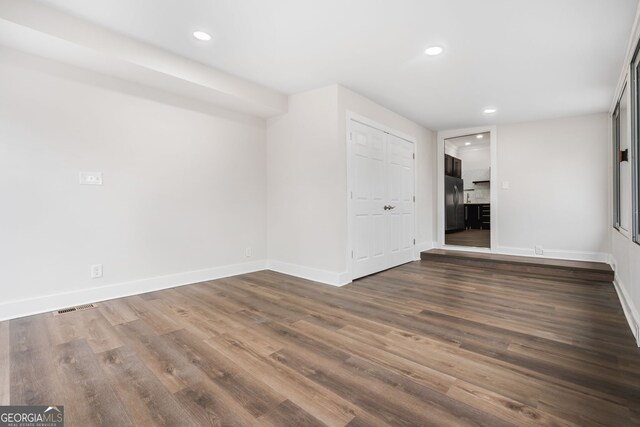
493,144
350,115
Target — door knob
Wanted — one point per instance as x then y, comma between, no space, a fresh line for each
386,208
391,207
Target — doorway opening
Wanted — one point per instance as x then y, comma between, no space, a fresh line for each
467,190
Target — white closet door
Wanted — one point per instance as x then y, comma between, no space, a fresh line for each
400,180
382,176
369,195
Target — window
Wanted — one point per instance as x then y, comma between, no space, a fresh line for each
615,121
624,165
635,146
621,169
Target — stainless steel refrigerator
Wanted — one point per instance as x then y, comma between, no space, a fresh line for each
453,203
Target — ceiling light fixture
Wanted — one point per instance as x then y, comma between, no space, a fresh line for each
433,50
467,143
480,136
201,35
489,110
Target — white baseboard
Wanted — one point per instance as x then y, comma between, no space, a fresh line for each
309,273
612,262
630,311
556,254
42,304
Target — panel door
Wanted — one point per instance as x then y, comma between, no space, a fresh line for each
369,196
400,179
382,197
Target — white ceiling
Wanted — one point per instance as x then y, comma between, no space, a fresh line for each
474,143
530,59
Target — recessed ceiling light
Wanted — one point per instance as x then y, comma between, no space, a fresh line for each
489,110
467,143
201,35
479,136
433,50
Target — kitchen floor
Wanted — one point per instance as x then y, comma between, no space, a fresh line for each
475,238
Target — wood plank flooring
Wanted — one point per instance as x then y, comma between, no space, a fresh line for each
421,344
537,261
524,266
473,238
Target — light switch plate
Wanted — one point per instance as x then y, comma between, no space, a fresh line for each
90,178
506,185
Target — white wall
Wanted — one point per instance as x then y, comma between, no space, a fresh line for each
307,181
475,158
305,174
557,172
184,192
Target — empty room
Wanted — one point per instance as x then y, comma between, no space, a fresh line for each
319,213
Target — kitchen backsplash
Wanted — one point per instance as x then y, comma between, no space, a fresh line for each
481,191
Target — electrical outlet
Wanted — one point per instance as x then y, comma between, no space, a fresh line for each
96,271
247,252
539,250
90,178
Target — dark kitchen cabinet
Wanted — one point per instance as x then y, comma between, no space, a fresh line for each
457,168
471,216
448,165
452,166
477,216
485,216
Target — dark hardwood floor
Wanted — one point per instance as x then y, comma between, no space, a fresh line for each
421,344
473,238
